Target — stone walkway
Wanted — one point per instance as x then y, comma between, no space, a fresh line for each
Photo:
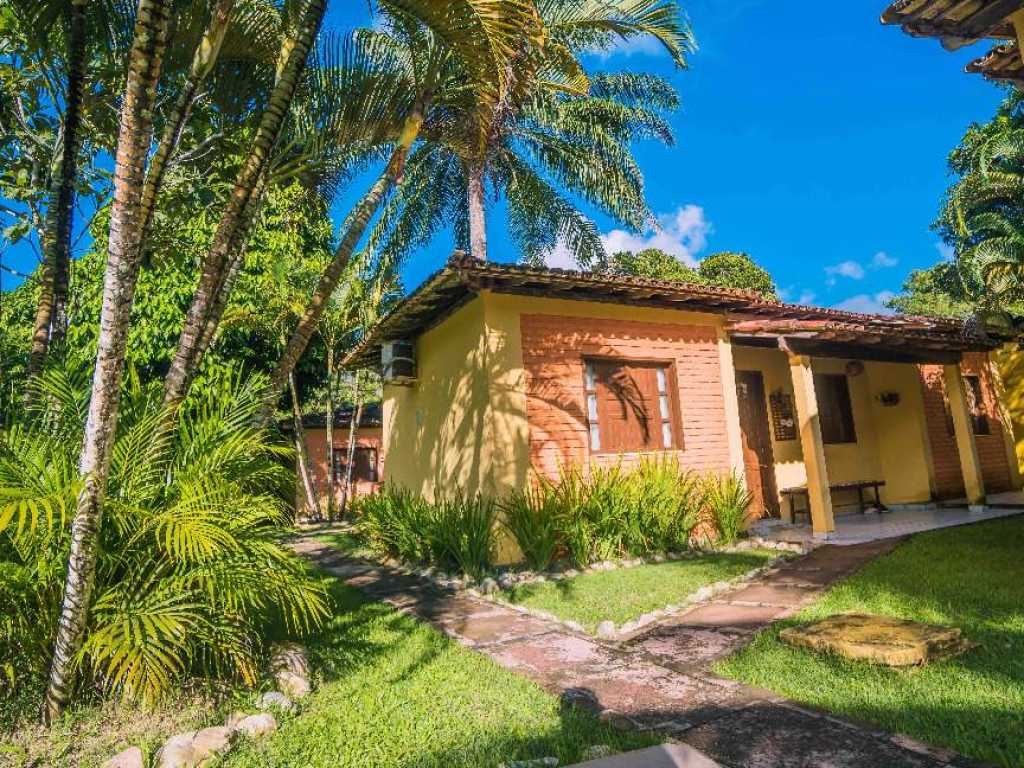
659,679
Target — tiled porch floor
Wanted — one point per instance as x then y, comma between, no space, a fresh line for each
858,529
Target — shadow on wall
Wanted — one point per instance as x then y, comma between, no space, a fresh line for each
1011,367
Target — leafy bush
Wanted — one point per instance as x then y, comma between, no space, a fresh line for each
462,534
729,502
395,523
455,533
191,566
531,518
610,513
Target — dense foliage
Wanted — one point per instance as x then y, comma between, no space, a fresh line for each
191,565
726,269
586,517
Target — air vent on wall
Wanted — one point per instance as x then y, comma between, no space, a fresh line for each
398,362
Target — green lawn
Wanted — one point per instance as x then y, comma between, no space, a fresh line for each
391,693
627,593
970,577
397,693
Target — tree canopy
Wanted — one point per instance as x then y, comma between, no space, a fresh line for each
725,269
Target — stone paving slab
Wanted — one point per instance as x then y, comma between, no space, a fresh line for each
665,756
748,618
496,627
549,662
772,594
779,736
682,646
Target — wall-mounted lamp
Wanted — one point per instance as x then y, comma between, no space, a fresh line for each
889,399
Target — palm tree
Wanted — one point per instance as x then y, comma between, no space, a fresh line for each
51,315
215,266
570,30
123,261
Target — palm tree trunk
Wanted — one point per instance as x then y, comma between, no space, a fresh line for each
51,313
357,415
123,259
329,429
215,266
477,211
358,220
302,454
203,61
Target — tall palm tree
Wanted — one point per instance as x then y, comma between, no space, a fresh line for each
123,261
215,265
571,29
51,314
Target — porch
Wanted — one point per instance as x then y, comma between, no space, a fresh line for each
859,529
824,407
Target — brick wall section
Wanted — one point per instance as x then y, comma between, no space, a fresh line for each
553,351
991,451
316,446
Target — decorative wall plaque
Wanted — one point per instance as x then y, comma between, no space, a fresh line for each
783,416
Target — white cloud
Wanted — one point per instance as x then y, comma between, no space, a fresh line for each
850,269
882,260
869,304
682,234
639,45
947,252
560,257
791,296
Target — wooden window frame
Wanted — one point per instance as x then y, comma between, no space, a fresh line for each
831,439
340,456
675,421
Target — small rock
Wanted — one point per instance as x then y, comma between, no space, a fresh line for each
177,752
540,578
274,699
294,686
210,741
575,626
488,586
129,758
596,752
606,629
289,658
258,725
721,586
571,573
234,719
702,594
671,556
658,559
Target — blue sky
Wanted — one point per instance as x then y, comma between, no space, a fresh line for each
816,144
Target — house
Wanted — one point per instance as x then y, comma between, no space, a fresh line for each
368,458
493,371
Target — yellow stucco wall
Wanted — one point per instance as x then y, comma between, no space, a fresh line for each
891,441
436,435
1010,362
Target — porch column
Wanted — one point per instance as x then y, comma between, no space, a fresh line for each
822,519
963,428
733,432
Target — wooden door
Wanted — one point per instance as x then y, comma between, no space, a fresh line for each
758,458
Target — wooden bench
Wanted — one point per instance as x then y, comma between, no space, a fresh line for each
859,487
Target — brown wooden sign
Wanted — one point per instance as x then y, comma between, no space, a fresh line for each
783,416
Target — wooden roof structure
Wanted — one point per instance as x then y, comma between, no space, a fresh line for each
957,23
751,319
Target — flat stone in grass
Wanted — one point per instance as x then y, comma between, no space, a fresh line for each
665,756
879,639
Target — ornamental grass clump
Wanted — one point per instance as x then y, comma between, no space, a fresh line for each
191,569
456,533
728,500
530,517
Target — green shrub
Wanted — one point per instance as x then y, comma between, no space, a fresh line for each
395,523
463,534
454,534
191,566
729,502
531,517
